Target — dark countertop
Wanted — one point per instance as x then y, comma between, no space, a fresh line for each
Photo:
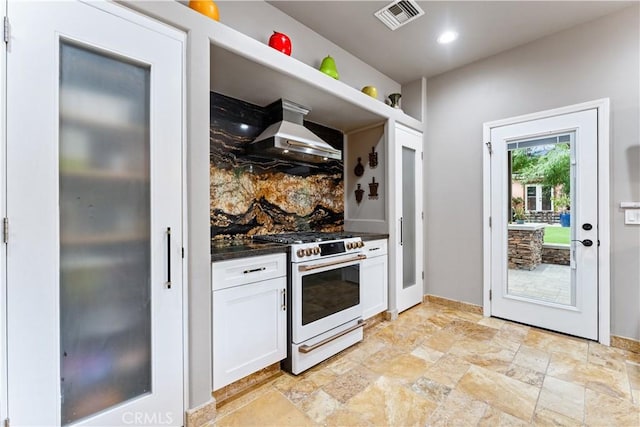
225,249
222,250
368,236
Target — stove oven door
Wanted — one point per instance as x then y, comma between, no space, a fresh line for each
326,293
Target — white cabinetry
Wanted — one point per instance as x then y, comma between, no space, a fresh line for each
249,316
374,278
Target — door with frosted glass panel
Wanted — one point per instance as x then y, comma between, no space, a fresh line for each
94,194
408,284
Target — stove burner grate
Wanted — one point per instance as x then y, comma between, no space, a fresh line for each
301,237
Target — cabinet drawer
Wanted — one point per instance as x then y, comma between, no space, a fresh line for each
226,274
375,248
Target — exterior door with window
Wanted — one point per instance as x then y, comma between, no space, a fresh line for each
550,285
94,196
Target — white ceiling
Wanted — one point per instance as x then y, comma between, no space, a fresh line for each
410,52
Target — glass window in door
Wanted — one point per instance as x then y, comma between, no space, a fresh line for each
105,301
540,254
408,218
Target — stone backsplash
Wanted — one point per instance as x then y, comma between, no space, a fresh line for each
253,195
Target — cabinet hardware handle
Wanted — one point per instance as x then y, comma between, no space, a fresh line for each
374,249
284,299
327,264
400,231
307,348
254,270
168,284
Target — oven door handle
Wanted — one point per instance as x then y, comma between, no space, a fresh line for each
328,264
308,348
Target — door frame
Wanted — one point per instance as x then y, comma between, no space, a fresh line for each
604,276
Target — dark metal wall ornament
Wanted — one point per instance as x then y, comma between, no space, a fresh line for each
373,188
373,158
359,169
359,192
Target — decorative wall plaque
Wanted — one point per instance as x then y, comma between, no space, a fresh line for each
373,188
359,169
359,193
373,158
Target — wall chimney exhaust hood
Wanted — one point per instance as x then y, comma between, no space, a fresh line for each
289,139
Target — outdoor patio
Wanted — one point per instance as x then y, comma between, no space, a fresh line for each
546,282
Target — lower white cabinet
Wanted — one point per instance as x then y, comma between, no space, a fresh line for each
249,317
374,280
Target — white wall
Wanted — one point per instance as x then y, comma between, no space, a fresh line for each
595,60
370,215
259,20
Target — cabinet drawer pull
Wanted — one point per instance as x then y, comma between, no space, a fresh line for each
255,270
284,299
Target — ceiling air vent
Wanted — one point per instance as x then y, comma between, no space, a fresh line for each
399,13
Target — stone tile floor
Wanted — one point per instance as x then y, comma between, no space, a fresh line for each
547,282
437,366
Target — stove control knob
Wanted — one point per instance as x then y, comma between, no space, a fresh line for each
316,250
348,245
300,253
360,244
308,251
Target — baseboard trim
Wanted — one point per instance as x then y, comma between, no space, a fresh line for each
248,383
201,415
374,320
458,305
391,315
624,343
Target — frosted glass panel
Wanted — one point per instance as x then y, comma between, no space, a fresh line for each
408,217
105,322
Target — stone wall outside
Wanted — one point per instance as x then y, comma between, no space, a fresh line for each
525,248
556,254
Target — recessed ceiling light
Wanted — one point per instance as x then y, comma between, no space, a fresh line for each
447,37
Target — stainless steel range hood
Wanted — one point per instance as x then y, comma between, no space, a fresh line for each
289,139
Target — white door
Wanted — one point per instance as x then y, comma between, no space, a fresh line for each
94,182
546,274
408,284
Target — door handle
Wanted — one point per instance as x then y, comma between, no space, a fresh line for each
327,264
585,242
168,284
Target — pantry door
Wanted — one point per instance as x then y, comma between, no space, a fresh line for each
544,267
94,196
409,289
